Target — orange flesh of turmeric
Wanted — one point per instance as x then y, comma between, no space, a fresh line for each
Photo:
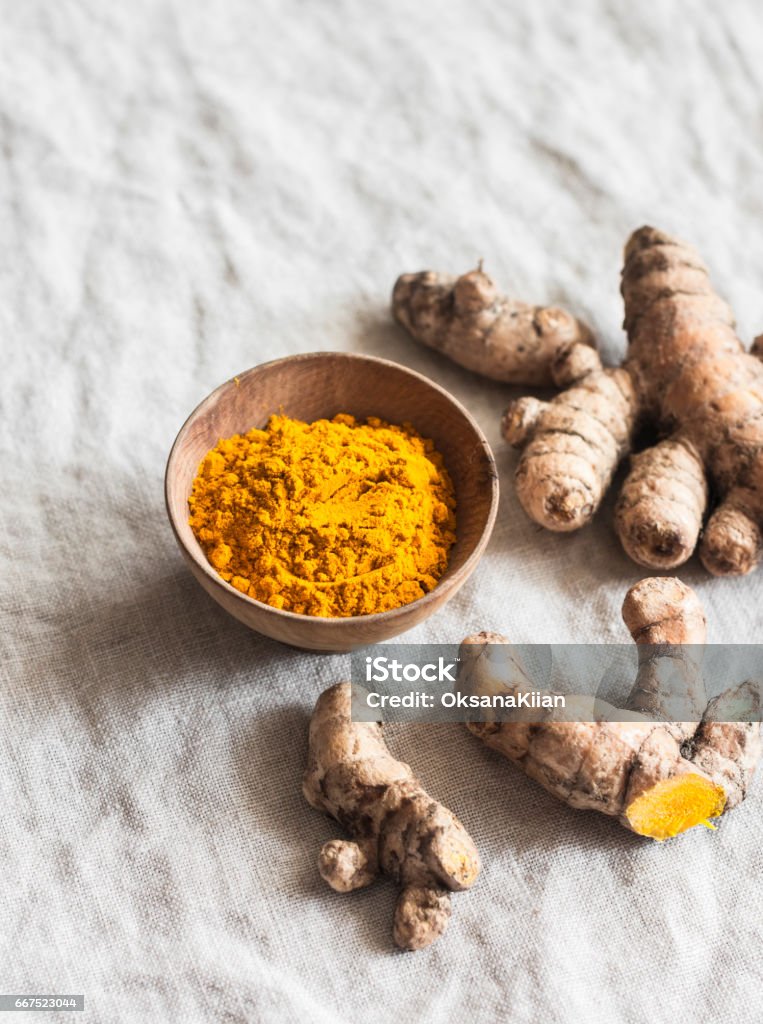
676,805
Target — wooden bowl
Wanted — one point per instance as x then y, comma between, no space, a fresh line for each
310,387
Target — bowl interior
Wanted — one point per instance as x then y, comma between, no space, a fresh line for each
322,384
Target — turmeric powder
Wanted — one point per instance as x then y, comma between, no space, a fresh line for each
333,518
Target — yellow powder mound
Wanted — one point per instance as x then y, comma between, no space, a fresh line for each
332,518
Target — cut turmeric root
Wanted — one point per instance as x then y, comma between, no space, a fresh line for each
656,775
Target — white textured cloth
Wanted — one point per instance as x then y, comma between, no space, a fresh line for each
190,189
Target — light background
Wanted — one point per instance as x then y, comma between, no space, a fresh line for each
189,189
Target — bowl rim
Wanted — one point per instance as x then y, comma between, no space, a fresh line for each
336,621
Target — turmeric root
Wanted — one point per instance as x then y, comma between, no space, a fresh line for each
687,374
396,826
468,320
658,778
